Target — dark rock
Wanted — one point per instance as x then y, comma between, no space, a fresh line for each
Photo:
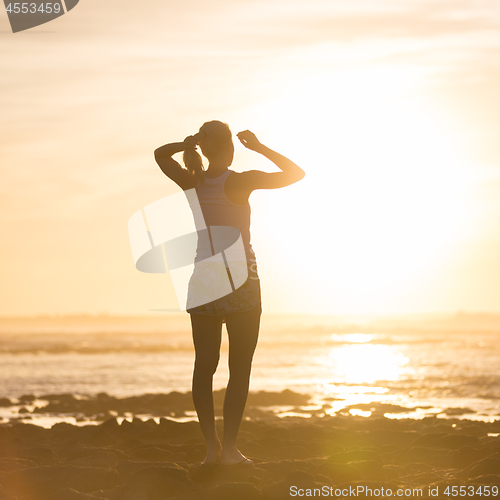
45,481
487,480
101,438
284,398
153,453
62,427
127,468
457,411
40,455
484,467
110,424
28,432
465,456
428,440
285,467
300,478
88,479
339,473
384,437
233,491
72,494
298,450
14,464
354,455
446,441
27,398
157,483
56,398
205,473
455,442
95,458
370,469
428,456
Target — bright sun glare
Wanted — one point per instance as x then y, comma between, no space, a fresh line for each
382,201
365,364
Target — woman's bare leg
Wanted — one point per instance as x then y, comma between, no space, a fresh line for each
207,339
243,331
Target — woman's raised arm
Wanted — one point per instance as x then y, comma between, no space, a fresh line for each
173,169
256,179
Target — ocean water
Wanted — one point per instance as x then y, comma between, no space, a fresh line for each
448,366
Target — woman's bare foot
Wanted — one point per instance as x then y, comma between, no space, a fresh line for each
213,455
233,457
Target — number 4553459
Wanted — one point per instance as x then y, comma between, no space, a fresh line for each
33,8
469,491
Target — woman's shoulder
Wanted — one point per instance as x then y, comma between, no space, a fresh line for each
245,176
236,188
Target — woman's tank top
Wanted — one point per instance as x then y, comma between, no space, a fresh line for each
208,290
218,210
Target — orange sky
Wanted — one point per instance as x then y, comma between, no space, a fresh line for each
390,107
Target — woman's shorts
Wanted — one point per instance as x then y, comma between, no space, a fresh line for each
244,298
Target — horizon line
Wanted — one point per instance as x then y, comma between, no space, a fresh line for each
170,312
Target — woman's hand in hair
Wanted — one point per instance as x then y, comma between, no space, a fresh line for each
191,141
249,140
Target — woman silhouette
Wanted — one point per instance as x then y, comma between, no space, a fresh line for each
223,196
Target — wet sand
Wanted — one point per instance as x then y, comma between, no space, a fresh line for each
323,456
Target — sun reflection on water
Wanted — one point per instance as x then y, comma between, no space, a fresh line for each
366,363
353,338
360,413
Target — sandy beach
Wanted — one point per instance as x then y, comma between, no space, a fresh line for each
112,457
